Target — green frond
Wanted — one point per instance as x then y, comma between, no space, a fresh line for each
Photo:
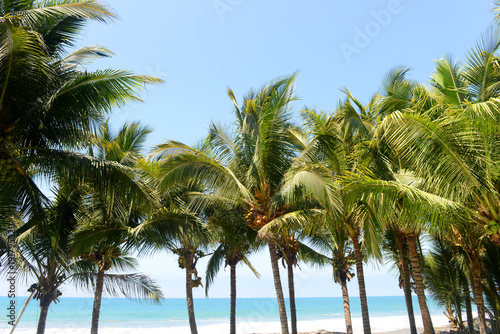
445,153
58,9
133,286
213,266
314,181
86,54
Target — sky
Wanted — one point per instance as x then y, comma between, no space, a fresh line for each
200,47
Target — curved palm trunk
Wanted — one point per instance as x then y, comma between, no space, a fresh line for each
232,321
291,293
279,289
347,308
44,310
189,300
96,310
468,307
478,296
419,284
361,283
405,272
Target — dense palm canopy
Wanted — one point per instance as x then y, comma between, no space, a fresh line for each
416,160
253,168
63,103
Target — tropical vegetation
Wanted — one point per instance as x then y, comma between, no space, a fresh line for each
412,179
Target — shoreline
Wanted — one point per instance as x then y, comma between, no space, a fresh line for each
270,328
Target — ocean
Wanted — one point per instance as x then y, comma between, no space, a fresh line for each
254,315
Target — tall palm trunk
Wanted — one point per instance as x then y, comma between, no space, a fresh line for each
478,294
96,310
44,310
405,272
347,308
189,299
291,294
279,289
419,284
232,321
361,283
468,307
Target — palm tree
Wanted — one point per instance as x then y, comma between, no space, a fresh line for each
288,249
107,218
179,229
235,242
334,241
371,191
443,278
45,253
399,93
335,141
189,252
396,247
253,169
64,101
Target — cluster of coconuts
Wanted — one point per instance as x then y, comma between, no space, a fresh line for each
256,219
492,227
197,282
7,165
40,291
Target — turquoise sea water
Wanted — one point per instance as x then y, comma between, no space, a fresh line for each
76,312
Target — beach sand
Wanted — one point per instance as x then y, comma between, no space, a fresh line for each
109,330
379,325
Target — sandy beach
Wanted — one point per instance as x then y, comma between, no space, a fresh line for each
270,328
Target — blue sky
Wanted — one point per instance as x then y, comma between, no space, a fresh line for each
201,47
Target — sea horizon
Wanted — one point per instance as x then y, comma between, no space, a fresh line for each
254,315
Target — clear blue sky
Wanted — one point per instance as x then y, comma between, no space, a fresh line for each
201,47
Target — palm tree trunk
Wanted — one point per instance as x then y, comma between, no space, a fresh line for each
419,284
468,307
405,272
189,299
232,321
361,283
478,295
44,310
291,294
347,308
279,289
97,302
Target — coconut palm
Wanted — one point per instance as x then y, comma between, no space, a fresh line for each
234,241
252,168
334,242
371,191
106,219
288,248
396,247
444,280
64,101
177,228
45,254
335,141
